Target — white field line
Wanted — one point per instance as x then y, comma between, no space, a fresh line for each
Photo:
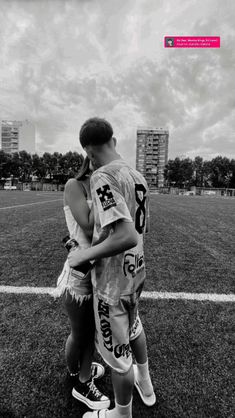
30,204
211,297
27,290
47,193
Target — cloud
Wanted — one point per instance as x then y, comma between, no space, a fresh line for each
64,61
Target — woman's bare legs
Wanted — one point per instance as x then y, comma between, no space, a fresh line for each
79,346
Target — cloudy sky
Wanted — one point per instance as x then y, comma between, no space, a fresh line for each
62,61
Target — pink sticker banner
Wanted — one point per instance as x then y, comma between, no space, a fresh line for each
192,41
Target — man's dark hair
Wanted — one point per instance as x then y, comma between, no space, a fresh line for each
95,131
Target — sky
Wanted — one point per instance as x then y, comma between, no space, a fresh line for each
63,61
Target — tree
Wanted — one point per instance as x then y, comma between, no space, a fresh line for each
187,172
220,172
72,162
232,177
25,167
38,167
198,171
68,166
15,165
57,167
207,181
61,167
50,162
179,172
171,172
5,165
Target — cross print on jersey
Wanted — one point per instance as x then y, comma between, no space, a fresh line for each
106,197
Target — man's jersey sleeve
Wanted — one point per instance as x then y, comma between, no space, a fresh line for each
108,200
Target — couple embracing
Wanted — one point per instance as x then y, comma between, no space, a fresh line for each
107,212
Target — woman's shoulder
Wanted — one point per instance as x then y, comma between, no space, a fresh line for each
74,186
73,183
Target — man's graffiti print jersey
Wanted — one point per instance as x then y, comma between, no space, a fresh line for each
119,193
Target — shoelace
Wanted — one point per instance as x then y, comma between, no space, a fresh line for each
94,389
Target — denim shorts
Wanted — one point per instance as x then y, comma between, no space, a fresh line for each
70,281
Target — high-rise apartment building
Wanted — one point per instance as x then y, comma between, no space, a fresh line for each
17,136
152,155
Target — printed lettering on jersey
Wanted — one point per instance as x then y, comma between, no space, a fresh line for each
132,264
106,197
119,350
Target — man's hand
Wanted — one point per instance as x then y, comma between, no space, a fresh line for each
76,257
122,238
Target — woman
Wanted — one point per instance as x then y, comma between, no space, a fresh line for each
77,294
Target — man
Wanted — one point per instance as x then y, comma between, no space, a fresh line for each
120,198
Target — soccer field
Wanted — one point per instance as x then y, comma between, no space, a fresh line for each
190,248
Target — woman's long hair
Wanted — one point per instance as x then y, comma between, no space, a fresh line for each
84,170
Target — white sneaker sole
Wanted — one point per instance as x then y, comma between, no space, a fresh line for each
91,404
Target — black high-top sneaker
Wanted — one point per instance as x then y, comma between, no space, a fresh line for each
89,394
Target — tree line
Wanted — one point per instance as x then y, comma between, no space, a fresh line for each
184,172
56,167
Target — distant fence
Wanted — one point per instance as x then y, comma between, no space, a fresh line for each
196,191
216,192
35,186
44,187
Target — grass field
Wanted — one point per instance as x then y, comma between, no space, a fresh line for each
190,249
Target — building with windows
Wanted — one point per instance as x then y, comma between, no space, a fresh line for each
17,136
152,155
